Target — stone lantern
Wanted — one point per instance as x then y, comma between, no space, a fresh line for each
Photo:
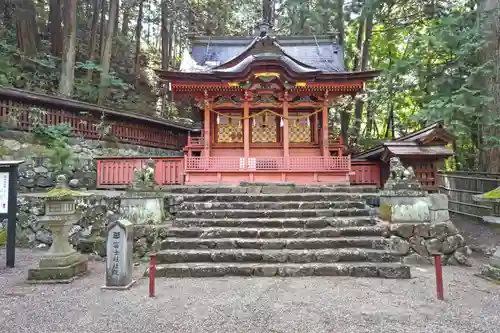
61,263
492,198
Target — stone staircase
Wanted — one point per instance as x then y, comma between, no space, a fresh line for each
277,230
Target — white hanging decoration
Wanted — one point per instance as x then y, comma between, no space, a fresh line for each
218,119
308,122
281,122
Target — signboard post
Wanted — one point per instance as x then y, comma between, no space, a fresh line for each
8,204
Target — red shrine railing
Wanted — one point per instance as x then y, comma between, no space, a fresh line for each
20,110
365,173
299,163
118,172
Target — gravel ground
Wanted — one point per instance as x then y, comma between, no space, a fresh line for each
309,305
481,237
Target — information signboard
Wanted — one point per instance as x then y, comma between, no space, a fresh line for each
4,192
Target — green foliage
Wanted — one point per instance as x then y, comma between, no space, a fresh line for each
55,138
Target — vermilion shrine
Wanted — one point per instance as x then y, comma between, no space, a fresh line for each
265,103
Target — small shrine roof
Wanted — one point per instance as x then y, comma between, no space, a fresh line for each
429,141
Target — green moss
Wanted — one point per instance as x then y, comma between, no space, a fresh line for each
385,212
62,194
3,237
494,194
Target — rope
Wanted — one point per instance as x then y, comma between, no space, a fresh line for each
266,111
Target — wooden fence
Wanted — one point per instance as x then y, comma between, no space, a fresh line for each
118,172
460,186
22,109
365,173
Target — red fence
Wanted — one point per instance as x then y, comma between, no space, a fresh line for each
291,163
365,173
22,109
118,172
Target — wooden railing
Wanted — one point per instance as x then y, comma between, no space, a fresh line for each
461,186
118,172
21,109
302,163
196,141
365,173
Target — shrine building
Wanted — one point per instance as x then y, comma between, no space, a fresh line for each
264,101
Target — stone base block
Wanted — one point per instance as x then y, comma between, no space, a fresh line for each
61,274
126,287
405,209
491,272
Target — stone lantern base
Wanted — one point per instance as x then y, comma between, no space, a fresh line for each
58,269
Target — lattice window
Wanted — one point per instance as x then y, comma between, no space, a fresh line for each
300,129
265,128
229,130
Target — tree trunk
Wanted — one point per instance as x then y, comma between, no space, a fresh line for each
267,11
28,40
106,54
55,28
138,30
102,32
68,60
166,35
126,19
115,29
359,41
365,53
490,155
93,35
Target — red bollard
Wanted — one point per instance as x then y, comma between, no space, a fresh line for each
152,273
439,276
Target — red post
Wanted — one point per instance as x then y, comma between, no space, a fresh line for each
439,276
152,273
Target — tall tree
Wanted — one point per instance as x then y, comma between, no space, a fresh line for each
138,30
28,39
106,54
490,161
166,35
68,60
55,27
96,7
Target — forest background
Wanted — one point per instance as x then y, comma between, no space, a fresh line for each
439,59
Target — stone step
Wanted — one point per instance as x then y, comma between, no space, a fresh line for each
274,205
294,256
369,242
244,213
355,269
300,197
270,188
293,222
222,232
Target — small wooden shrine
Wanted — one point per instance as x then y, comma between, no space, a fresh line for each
425,151
264,102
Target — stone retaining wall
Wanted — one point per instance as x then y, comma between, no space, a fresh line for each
89,233
417,242
38,173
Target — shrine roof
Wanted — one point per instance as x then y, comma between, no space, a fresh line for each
320,52
429,141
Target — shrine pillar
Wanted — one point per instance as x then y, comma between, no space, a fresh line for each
286,140
246,129
206,129
324,130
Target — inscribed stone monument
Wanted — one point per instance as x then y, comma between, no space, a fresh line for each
119,248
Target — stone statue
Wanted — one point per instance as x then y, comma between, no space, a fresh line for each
396,168
144,177
400,177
